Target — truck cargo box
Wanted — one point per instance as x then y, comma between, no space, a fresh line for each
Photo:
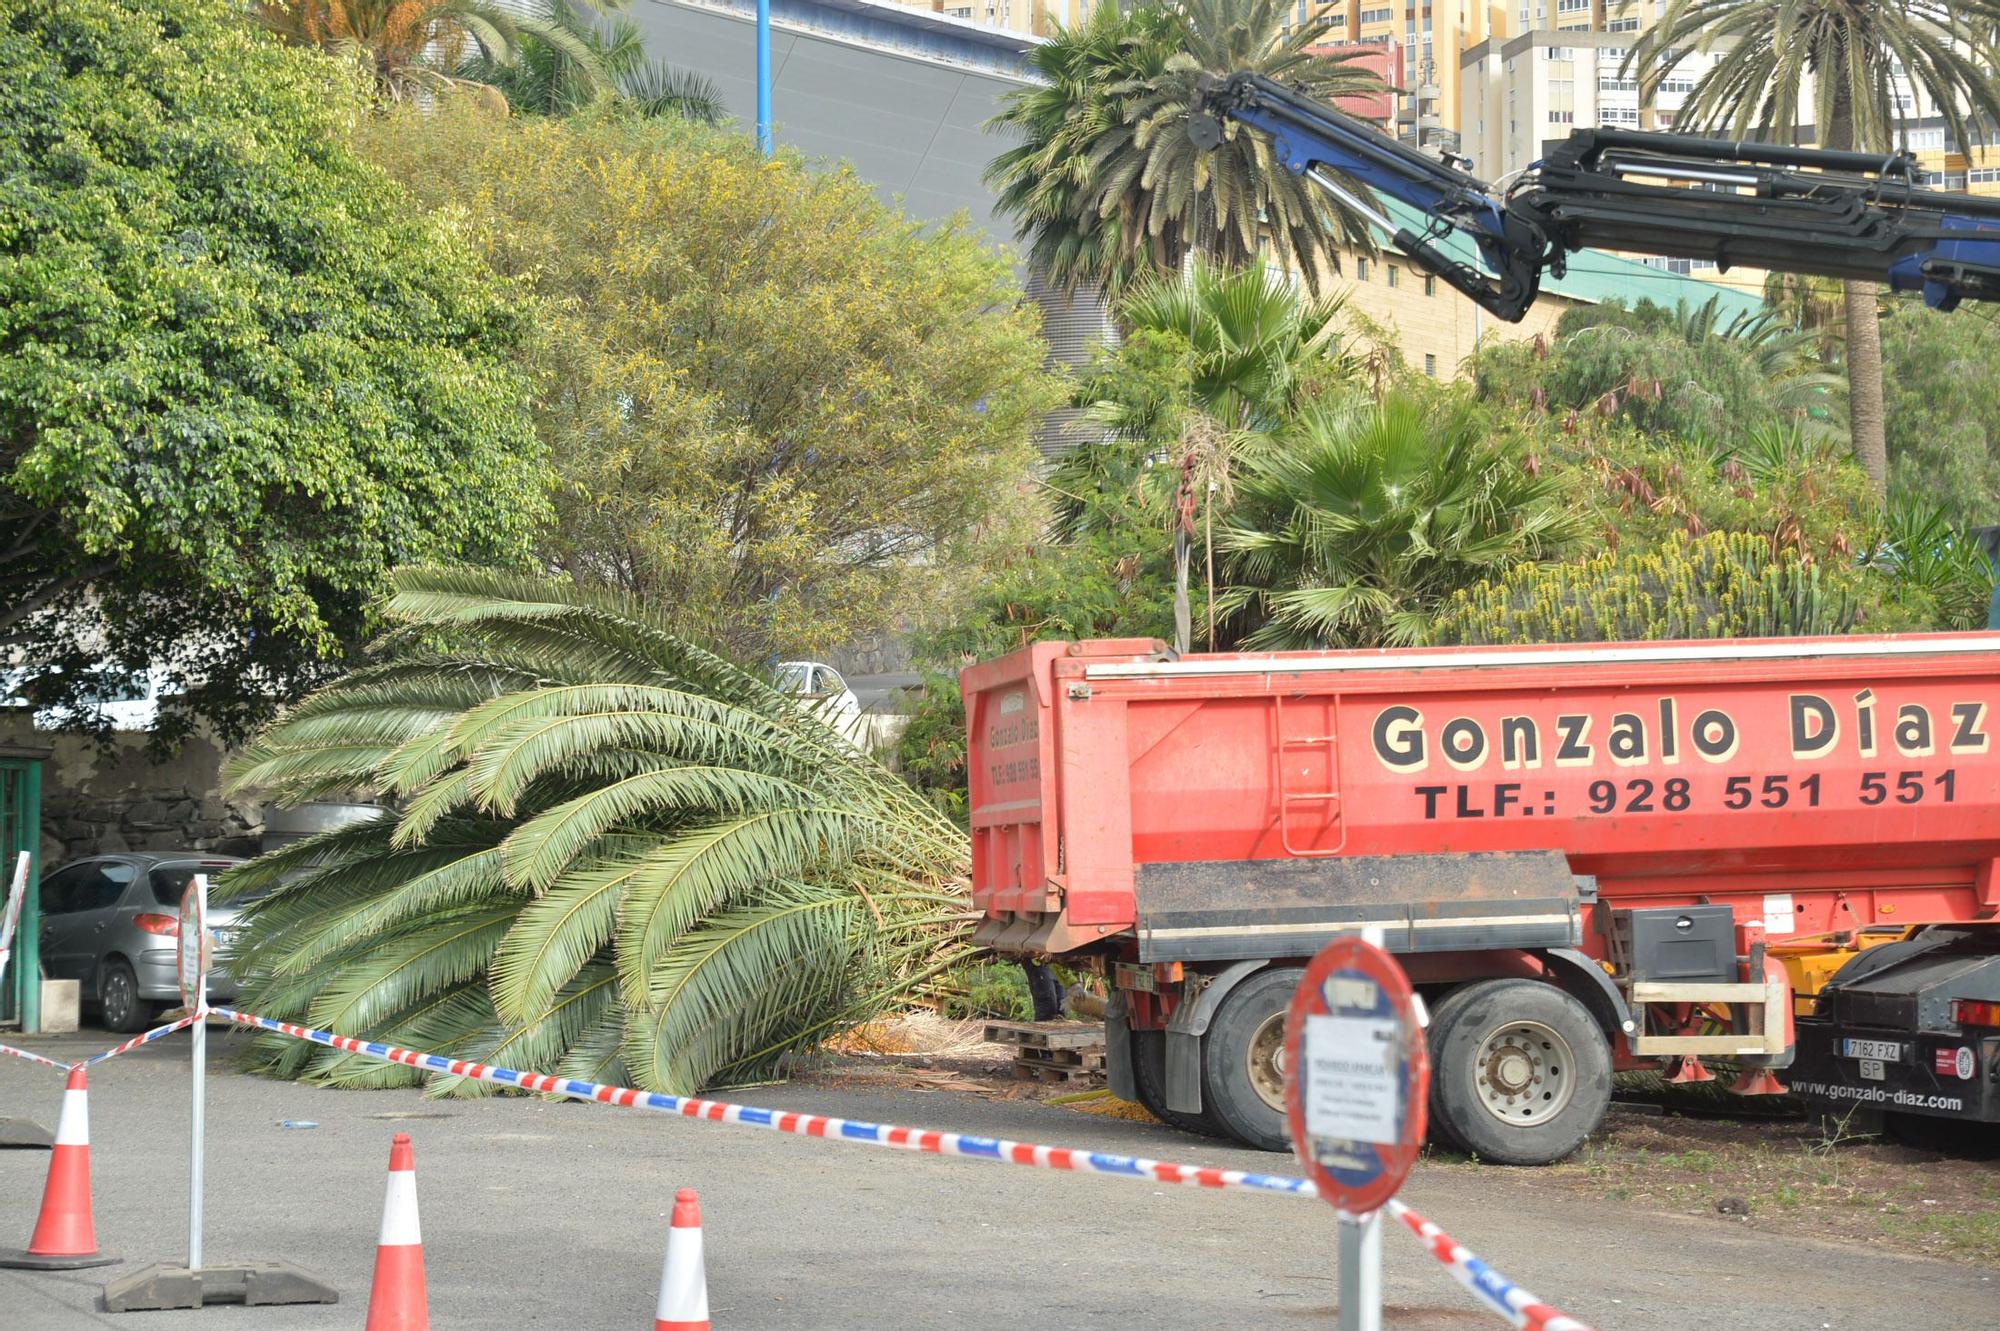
1811,785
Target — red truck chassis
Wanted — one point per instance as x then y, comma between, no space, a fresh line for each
1589,858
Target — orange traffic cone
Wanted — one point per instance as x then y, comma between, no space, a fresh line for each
65,1239
684,1283
397,1301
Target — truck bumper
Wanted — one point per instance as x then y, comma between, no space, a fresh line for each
1944,1076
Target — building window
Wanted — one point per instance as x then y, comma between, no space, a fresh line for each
1361,270
1562,117
1572,6
1985,175
1622,25
1430,285
1395,274
1430,365
1574,27
1680,83
1562,53
1377,15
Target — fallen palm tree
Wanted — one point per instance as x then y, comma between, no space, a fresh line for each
610,853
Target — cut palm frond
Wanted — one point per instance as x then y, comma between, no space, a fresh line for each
609,852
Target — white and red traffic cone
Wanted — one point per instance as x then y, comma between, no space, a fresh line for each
397,1300
684,1283
64,1238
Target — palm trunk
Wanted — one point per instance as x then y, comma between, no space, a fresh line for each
1864,384
1864,337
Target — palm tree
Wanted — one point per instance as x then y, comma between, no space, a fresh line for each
1105,181
406,46
1225,203
545,78
1354,529
1249,343
1045,181
611,854
1854,54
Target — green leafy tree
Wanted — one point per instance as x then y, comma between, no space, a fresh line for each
780,409
238,379
613,856
1683,373
1104,146
1942,404
1854,58
1357,524
550,77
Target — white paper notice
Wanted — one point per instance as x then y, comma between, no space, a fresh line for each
1778,912
1352,1087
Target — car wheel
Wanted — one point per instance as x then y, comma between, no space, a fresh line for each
1520,1071
118,998
1149,1076
1243,1060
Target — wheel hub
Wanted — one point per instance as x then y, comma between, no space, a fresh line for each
1264,1061
1524,1073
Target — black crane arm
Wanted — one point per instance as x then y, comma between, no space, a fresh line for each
1806,210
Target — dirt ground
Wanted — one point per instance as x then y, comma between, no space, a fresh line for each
1780,1172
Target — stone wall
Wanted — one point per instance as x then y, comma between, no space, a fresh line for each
99,799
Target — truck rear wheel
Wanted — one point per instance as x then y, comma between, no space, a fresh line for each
1520,1072
1149,1076
1243,1060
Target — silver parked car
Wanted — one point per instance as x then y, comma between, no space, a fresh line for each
112,923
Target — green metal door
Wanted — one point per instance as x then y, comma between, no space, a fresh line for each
21,829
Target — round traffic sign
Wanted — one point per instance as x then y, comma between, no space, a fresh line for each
194,951
1358,1075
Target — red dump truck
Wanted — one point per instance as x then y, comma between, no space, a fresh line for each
1779,853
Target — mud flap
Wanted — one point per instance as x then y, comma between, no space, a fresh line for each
1118,1049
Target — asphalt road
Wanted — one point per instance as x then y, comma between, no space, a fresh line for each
555,1215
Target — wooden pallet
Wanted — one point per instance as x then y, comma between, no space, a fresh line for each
1091,1059
1053,1072
1046,1034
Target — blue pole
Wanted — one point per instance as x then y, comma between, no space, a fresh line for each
764,76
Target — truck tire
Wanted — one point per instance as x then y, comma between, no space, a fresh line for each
1242,1060
1520,1071
1149,1075
1437,1129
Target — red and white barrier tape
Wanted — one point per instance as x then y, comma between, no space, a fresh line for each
1522,1309
11,1052
147,1038
1517,1305
138,1040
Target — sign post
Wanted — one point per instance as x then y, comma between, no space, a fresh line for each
1359,1077
194,958
195,1285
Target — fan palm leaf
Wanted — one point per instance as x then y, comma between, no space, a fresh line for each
1362,518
